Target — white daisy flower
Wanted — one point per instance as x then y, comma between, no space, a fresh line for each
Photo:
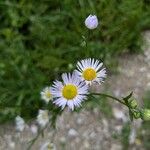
91,71
43,118
48,146
46,94
20,123
91,22
71,92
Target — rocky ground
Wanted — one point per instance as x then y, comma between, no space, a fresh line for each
91,130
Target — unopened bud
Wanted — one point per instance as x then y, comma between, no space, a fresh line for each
136,115
133,103
145,114
91,22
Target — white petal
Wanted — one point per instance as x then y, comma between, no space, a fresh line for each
70,104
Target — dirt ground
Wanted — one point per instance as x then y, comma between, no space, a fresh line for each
90,130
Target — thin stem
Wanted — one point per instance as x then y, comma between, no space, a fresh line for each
87,37
37,136
109,96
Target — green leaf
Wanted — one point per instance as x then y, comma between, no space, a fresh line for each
128,97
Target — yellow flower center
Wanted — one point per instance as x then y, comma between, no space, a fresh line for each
69,91
89,74
48,94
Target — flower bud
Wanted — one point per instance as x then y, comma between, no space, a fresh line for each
137,115
91,22
145,114
133,103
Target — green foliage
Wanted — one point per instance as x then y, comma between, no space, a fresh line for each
39,39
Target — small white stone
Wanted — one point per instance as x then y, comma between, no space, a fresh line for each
119,114
34,129
12,145
72,133
143,69
132,136
86,145
63,140
80,121
117,92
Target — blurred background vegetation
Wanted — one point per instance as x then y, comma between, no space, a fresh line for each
40,39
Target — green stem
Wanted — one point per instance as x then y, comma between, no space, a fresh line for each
109,96
37,136
87,40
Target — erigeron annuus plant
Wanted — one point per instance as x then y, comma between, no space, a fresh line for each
74,89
